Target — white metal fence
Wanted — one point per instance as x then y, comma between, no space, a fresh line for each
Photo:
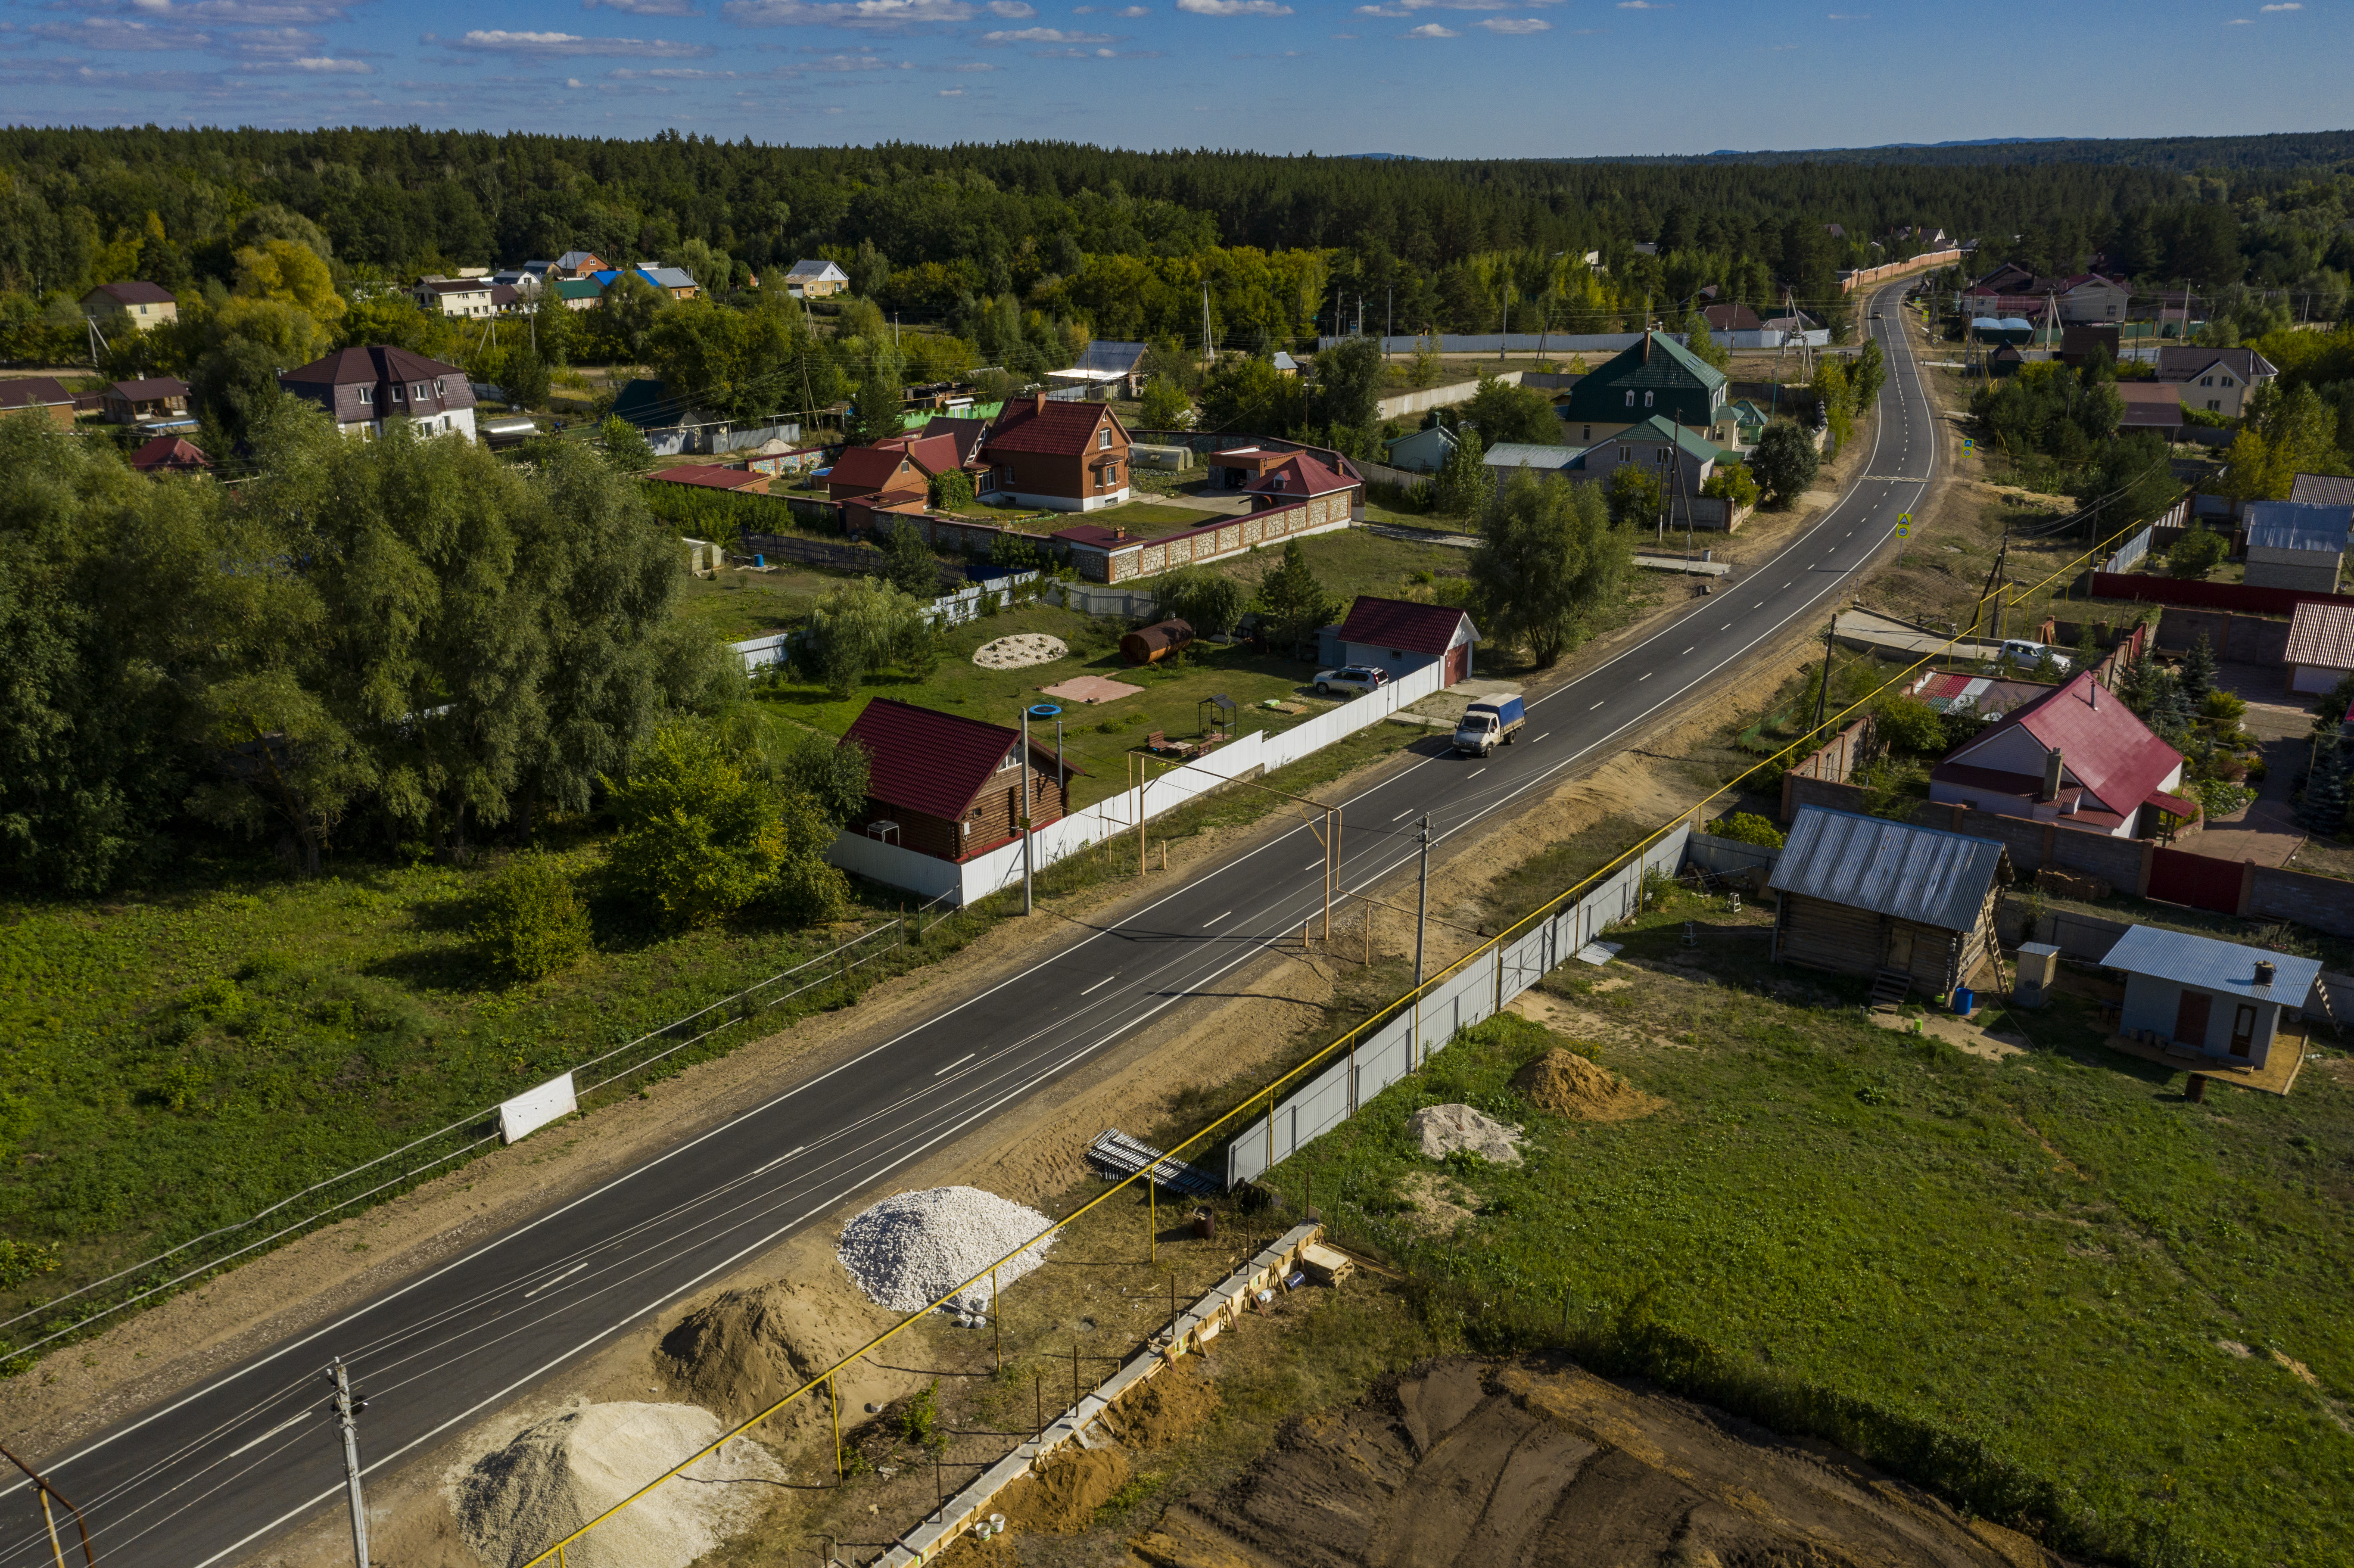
1475,989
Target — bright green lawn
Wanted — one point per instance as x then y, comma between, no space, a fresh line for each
1096,737
2045,1255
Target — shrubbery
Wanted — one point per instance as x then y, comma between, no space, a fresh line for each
533,923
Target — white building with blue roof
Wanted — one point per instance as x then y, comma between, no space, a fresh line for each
2196,996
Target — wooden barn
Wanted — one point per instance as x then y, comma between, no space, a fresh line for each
943,784
1867,896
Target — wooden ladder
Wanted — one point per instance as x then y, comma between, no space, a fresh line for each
1890,987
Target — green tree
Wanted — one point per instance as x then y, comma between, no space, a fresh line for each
909,563
229,391
2195,552
1908,725
1209,602
877,412
1869,372
1731,482
863,627
1748,828
2322,807
702,836
1507,413
2197,671
832,775
533,923
1835,394
1290,601
625,446
625,316
282,757
951,491
1244,394
1166,407
1633,496
1785,461
701,352
1703,342
1548,559
1349,383
1464,483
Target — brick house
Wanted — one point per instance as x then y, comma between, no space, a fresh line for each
1300,477
363,388
1063,457
951,786
37,395
882,470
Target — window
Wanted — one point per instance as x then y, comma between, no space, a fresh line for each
2207,381
418,392
367,396
1111,474
1626,454
1103,439
2215,404
2227,381
1660,455
1589,434
1647,399
440,389
396,391
1630,398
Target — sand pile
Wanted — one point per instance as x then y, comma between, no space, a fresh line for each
1566,1084
1163,1409
556,1475
1020,650
1061,1495
1443,1130
911,1249
745,1349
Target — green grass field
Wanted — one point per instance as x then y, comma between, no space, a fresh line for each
2052,1281
1096,737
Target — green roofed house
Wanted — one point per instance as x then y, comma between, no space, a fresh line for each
578,293
1738,425
1657,377
1682,459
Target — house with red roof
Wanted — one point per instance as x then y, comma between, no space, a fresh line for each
1300,477
883,470
951,786
1063,457
1398,636
171,454
2076,756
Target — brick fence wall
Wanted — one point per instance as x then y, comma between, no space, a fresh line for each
2243,639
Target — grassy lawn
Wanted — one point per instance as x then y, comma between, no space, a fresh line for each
2049,1284
740,604
1095,738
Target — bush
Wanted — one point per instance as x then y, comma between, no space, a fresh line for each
533,923
1748,828
704,837
1784,462
952,490
2196,552
1732,481
1910,725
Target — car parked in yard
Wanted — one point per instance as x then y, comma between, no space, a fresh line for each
2019,651
1354,679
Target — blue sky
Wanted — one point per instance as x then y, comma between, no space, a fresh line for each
1501,78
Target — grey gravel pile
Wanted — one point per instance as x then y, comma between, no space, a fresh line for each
912,1248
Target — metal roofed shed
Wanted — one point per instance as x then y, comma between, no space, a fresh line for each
1864,894
2196,996
2320,646
2297,545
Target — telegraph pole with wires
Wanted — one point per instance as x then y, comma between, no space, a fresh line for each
1823,693
1421,921
346,1408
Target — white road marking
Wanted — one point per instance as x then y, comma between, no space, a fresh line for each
274,1431
1687,650
1403,815
557,1280
779,1160
1099,984
1214,920
1644,676
1597,705
959,1062
1475,773
1549,732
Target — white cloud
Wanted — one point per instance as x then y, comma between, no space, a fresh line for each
2289,5
1515,25
557,44
572,81
1643,5
1431,30
1044,36
116,33
1010,10
1849,17
886,16
2240,21
840,63
952,92
314,65
1233,8
645,7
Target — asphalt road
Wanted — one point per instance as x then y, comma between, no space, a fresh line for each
212,1474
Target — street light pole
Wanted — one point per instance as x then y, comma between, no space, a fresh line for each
1421,922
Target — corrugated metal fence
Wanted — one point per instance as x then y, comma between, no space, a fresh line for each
1474,989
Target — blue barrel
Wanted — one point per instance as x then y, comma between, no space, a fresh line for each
760,560
1964,1000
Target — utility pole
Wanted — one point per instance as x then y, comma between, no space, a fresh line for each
1823,696
1421,921
346,1408
41,1485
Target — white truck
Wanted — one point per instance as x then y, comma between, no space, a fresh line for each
1490,723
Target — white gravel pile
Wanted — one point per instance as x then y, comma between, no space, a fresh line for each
911,1248
1443,1130
556,1475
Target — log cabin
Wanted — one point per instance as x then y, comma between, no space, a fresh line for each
1865,894
951,786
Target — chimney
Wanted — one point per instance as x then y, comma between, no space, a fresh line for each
2265,972
2050,775
1039,406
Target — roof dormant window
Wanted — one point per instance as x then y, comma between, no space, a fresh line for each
1647,399
1630,397
396,391
440,389
367,396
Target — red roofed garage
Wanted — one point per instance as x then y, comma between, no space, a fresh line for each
1397,637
